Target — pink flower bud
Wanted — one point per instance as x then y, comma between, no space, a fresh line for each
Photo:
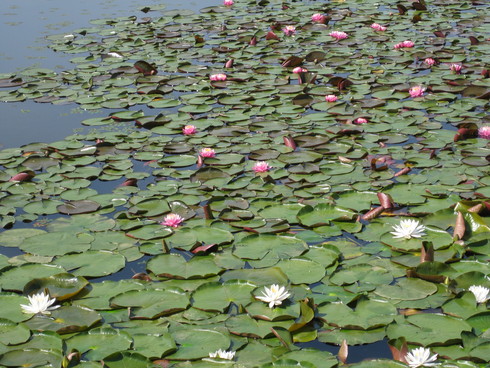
360,121
228,2
331,98
318,18
299,69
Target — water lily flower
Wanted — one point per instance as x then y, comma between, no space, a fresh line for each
218,77
378,27
261,166
115,55
289,30
274,295
404,44
416,91
318,18
88,148
481,293
456,68
189,130
331,98
429,61
408,229
172,220
484,132
420,357
223,354
207,152
299,69
39,303
339,35
228,2
360,121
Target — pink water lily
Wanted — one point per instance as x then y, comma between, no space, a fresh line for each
289,30
404,44
172,220
189,130
484,132
218,77
331,98
429,61
416,91
207,152
378,27
360,121
456,68
339,35
318,18
261,166
299,69
228,2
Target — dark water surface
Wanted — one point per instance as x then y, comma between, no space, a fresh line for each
24,26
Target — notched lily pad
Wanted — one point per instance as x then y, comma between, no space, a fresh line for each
78,207
60,286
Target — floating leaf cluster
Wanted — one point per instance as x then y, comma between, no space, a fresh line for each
87,221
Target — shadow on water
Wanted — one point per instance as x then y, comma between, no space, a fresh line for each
377,350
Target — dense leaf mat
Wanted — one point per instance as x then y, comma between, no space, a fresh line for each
83,215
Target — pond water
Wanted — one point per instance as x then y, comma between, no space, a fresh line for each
27,23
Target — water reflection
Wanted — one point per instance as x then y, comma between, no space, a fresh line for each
27,23
358,353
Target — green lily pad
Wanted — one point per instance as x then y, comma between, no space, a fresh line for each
100,342
195,343
67,319
435,327
57,243
16,277
216,296
152,303
368,314
60,286
175,266
257,246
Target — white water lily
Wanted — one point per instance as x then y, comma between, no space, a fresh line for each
408,229
114,54
481,293
420,357
274,295
223,354
39,303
